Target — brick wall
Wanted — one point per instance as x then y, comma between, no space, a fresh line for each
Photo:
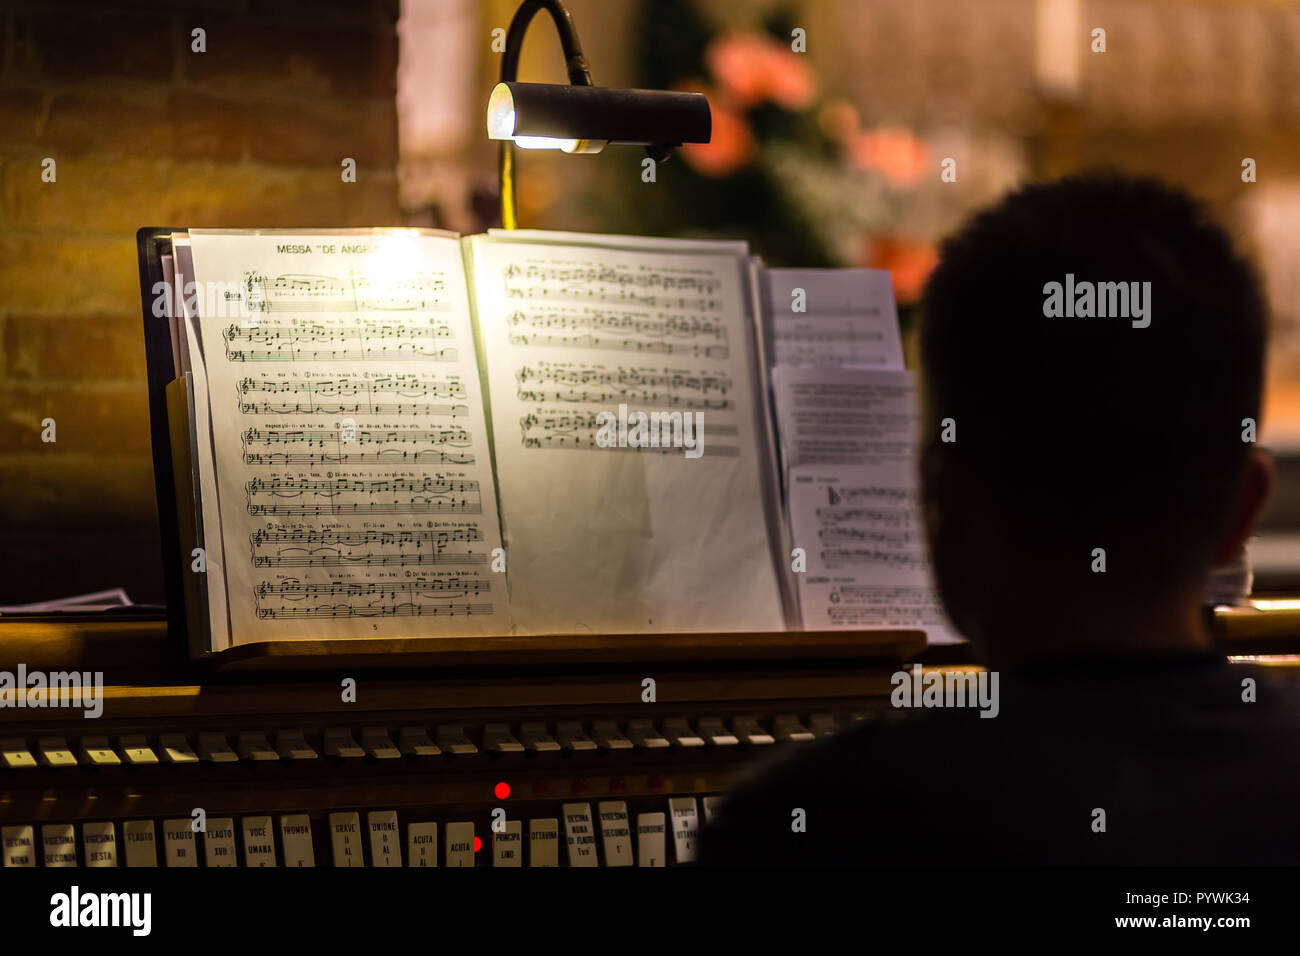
144,131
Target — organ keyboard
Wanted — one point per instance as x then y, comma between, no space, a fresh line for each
556,764
569,766
317,797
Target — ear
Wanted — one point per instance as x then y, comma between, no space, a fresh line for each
1253,494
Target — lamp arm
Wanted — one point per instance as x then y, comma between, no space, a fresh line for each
575,63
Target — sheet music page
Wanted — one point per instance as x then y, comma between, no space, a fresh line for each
348,430
853,500
580,342
837,317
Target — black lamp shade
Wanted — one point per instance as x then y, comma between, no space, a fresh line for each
598,114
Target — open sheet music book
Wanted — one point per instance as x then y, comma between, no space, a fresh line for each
401,432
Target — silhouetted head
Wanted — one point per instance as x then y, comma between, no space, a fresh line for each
1099,348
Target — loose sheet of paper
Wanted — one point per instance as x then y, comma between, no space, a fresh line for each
853,500
349,438
620,538
836,317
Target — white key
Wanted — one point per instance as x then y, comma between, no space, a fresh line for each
19,845
385,838
641,731
100,841
136,749
498,738
295,840
711,806
15,755
415,742
607,735
253,746
345,839
686,827
615,835
650,843
292,745
59,841
579,836
55,752
678,731
536,738
749,731
215,748
376,742
141,847
339,743
508,847
97,751
787,727
179,847
715,732
451,737
176,749
219,842
460,844
422,844
572,737
544,842
259,842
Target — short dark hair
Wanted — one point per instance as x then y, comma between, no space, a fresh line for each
1089,432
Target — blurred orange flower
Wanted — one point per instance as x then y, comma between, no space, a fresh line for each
752,68
739,61
896,153
730,147
909,262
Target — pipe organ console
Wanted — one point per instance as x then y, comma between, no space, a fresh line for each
267,763
616,766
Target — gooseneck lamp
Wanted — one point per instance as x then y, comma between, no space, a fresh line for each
580,117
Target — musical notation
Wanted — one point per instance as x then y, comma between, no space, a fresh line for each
851,495
331,549
902,560
836,535
590,320
354,293
342,496
869,595
615,284
295,590
364,340
824,336
388,610
892,518
596,341
348,440
334,538
358,445
617,275
593,385
327,396
662,431
416,598
873,528
585,328
865,605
